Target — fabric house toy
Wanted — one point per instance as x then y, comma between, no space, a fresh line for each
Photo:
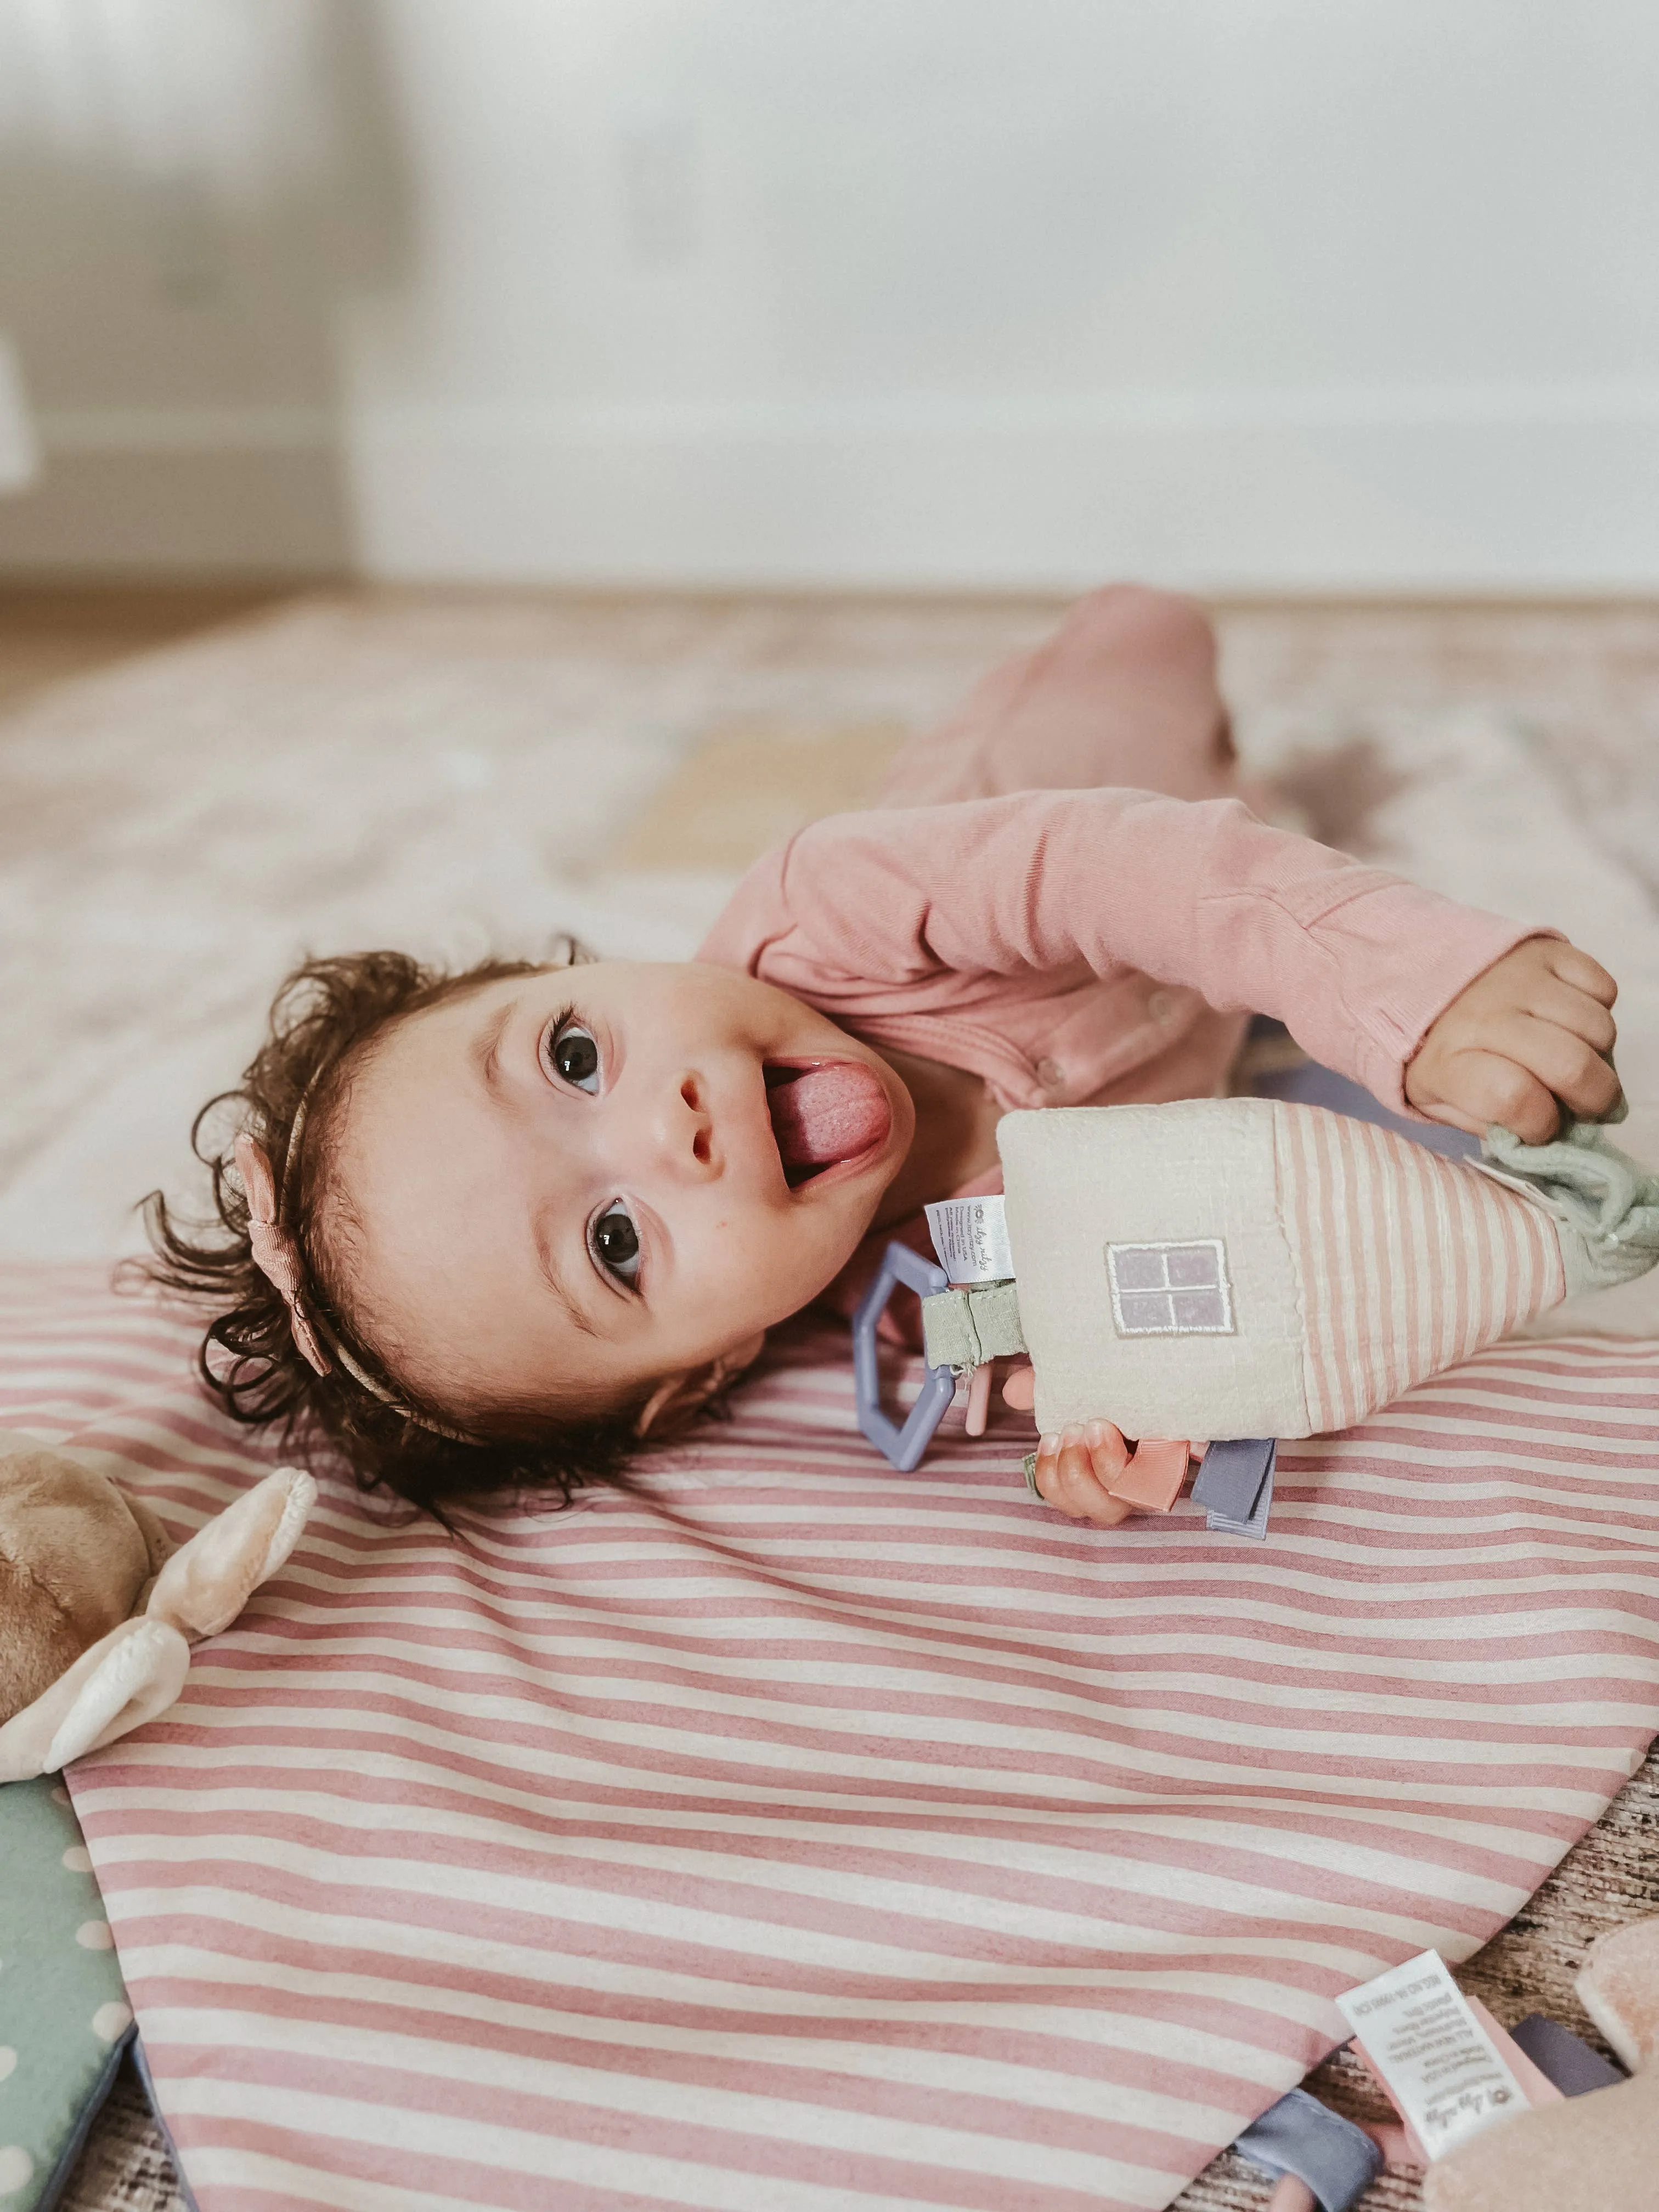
1250,1267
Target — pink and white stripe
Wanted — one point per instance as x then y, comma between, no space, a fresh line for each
1408,1262
810,1837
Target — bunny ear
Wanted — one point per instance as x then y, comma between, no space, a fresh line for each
126,1679
207,1581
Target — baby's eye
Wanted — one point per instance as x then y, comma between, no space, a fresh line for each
575,1055
615,1243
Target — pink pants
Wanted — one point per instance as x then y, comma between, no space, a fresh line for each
1122,695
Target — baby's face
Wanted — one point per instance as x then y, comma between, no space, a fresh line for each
565,1185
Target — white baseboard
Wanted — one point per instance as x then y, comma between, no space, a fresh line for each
1460,490
159,492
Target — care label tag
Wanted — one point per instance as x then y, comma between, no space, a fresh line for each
1437,2061
971,1235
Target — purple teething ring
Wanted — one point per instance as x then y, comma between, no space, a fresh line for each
902,1446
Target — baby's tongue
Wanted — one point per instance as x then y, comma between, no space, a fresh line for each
830,1113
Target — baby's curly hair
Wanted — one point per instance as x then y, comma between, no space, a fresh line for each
326,1016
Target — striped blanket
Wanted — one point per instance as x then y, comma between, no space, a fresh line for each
805,1837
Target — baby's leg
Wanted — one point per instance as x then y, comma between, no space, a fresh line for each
1124,693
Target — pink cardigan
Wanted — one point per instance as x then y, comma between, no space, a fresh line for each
1089,947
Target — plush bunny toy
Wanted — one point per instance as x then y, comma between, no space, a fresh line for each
97,1610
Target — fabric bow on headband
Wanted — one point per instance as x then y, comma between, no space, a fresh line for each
276,1255
275,1252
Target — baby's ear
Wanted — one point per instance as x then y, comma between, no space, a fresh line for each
679,1397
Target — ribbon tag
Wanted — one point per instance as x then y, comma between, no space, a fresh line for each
1234,1486
1436,2062
971,1235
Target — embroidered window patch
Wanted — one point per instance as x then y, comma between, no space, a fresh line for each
1170,1289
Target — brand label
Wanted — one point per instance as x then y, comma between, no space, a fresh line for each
1442,2067
971,1235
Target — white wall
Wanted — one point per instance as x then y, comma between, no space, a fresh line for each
907,291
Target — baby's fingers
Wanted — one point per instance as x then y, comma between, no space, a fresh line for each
1577,968
1576,1071
1073,1468
1019,1391
1577,1012
1480,1088
1540,1051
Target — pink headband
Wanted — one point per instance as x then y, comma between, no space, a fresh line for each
276,1254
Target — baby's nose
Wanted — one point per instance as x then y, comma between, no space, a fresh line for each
689,1128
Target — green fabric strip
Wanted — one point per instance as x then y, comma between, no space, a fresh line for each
963,1328
1605,1205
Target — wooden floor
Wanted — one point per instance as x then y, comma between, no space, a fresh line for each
49,634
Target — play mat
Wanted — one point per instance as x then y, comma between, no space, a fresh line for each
806,1835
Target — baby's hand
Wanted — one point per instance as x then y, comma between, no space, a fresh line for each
1530,1031
1075,1468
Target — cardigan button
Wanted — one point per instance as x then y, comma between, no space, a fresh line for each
1050,1074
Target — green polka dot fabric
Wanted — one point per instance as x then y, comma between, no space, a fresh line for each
63,2012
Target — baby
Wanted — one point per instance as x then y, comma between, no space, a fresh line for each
486,1232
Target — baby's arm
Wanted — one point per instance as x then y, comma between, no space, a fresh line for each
1456,1015
1363,967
